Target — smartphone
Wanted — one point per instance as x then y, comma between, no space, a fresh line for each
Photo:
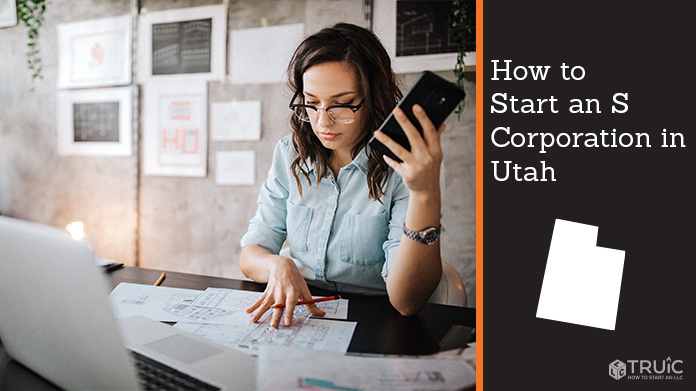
437,96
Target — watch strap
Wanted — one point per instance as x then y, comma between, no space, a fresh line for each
427,236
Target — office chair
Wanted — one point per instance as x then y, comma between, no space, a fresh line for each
450,291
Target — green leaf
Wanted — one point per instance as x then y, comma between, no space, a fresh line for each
31,13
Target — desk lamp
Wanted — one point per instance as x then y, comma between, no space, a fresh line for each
76,229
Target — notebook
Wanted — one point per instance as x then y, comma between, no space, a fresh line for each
57,321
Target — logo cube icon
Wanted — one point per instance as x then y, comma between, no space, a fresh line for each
617,369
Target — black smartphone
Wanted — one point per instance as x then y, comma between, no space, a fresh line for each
437,96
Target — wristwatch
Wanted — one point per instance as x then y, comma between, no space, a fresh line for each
428,236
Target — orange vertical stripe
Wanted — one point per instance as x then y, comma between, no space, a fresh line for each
479,194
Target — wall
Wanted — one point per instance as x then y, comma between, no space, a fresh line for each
173,223
35,183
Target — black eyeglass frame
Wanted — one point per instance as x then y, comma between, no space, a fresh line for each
294,106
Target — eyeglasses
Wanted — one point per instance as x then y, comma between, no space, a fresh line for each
341,114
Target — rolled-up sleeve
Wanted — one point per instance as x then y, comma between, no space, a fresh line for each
268,226
399,206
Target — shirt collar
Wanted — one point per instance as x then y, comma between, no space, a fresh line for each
361,161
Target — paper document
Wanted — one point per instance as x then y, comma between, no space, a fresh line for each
156,302
299,369
214,305
239,300
235,121
219,315
242,334
249,65
304,332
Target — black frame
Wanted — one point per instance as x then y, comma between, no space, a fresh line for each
294,106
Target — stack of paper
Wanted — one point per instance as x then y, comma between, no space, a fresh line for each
298,369
219,315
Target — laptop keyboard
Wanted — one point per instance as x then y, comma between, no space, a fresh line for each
157,376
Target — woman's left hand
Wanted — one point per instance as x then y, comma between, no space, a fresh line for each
420,167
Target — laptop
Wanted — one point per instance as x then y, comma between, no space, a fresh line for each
56,319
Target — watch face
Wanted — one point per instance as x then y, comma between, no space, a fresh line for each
430,236
427,236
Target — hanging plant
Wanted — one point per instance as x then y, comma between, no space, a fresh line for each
461,26
31,13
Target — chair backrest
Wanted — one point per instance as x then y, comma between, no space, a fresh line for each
451,290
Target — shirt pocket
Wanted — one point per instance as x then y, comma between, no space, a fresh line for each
298,222
362,237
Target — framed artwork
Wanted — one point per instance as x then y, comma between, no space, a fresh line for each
183,42
95,53
175,141
416,34
8,13
95,122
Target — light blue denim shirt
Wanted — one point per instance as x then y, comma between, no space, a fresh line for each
346,238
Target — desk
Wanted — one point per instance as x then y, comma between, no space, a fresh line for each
380,329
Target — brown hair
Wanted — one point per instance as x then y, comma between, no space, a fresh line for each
362,50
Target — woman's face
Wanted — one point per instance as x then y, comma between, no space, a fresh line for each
329,84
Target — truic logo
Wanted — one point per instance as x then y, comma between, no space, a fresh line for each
617,369
666,369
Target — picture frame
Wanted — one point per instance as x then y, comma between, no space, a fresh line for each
175,129
182,43
8,13
95,122
386,12
95,53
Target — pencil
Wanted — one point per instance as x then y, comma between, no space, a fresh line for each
282,305
160,279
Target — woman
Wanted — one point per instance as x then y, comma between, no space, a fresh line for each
348,214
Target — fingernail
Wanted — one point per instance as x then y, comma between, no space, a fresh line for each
418,108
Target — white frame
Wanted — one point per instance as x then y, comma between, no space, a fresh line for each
73,60
218,14
66,131
8,16
155,95
384,25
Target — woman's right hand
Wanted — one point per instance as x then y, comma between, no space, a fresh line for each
285,285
